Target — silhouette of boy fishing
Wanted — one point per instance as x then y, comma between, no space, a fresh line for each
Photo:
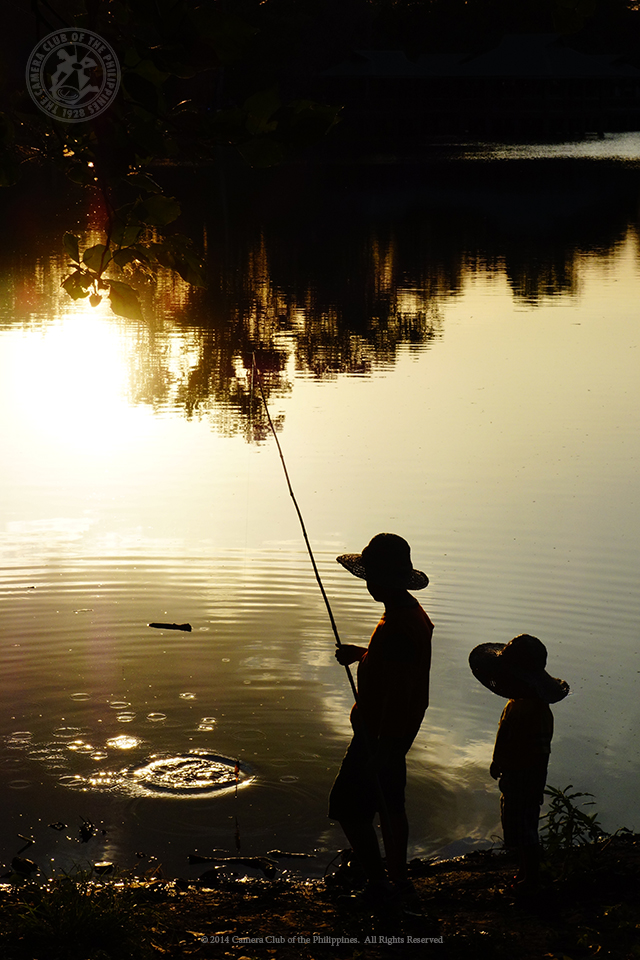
516,670
393,694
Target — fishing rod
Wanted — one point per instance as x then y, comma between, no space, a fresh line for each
304,529
383,808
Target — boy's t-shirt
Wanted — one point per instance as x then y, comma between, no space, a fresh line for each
524,735
393,675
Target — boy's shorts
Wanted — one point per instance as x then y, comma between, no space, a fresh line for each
355,794
522,796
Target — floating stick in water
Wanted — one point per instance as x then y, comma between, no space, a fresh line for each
267,866
172,626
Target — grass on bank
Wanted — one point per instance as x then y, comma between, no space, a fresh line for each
77,916
84,917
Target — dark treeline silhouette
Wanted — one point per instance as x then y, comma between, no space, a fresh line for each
307,36
287,38
312,34
407,72
610,26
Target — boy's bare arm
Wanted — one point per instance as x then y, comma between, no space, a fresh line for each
349,653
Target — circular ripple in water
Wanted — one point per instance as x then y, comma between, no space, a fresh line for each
193,774
20,784
19,739
67,733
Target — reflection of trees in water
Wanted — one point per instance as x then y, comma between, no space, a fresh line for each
331,282
532,280
323,310
537,222
207,371
333,278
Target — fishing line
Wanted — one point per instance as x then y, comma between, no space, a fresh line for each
248,489
235,805
258,380
237,838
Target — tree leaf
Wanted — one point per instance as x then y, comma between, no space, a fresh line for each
96,257
188,262
130,254
77,284
124,300
177,253
144,182
9,172
159,210
126,227
82,174
141,90
308,121
260,108
183,69
261,152
162,255
6,128
9,169
150,139
229,36
191,269
149,72
71,245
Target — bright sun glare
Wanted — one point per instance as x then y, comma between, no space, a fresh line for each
73,383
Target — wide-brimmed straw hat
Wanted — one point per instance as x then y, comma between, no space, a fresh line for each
505,667
385,560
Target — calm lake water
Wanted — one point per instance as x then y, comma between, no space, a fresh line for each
451,352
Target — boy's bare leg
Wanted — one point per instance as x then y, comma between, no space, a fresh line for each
395,834
529,871
364,843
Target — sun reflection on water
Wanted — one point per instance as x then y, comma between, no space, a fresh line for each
123,742
73,380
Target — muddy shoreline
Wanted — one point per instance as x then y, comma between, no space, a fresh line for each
588,906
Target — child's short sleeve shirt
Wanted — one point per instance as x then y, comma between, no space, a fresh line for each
524,735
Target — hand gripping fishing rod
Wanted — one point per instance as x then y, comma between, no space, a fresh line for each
256,372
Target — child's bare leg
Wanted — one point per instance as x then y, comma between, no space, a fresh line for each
529,871
395,834
364,843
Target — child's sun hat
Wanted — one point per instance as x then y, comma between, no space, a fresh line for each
386,560
516,668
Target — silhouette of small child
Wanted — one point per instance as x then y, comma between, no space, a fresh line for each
516,670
